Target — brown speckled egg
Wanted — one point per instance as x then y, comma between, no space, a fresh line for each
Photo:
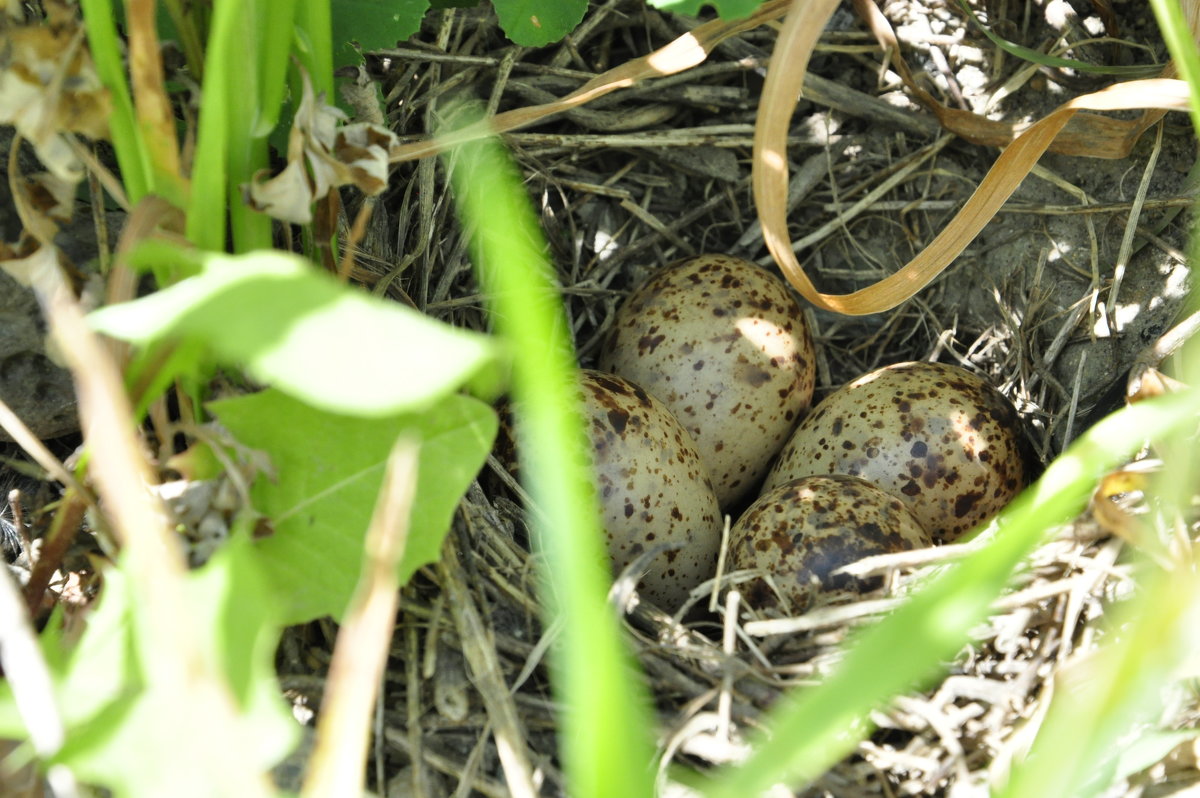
725,346
803,530
937,436
652,486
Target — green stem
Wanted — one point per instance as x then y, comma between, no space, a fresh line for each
206,217
132,156
1182,47
606,727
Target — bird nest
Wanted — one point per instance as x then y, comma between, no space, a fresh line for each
661,171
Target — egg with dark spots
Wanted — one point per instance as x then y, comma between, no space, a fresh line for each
653,487
801,532
725,345
937,436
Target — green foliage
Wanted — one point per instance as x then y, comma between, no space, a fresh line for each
373,25
300,330
1182,46
378,24
348,374
605,721
327,471
533,23
726,9
128,144
128,734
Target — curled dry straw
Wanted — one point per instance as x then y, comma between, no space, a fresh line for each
1069,130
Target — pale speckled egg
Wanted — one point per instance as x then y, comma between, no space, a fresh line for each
653,487
937,436
725,346
804,530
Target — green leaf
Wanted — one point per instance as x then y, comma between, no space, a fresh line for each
93,675
607,725
132,737
374,24
328,472
300,330
726,9
532,23
135,745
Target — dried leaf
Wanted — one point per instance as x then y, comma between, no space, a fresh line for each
49,86
335,154
287,196
43,202
37,269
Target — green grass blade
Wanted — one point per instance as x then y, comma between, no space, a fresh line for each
206,213
132,155
275,23
605,728
239,110
1105,699
813,728
1036,57
1179,41
244,88
315,19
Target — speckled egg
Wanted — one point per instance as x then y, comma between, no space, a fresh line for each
937,436
802,531
725,346
653,487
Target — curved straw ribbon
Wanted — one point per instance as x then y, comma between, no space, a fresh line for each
781,93
685,52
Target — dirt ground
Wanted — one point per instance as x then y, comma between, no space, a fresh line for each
1052,303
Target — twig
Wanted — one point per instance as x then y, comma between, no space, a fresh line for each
480,652
360,654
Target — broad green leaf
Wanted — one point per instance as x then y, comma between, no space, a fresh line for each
328,470
726,9
93,675
373,24
532,23
133,738
301,331
138,744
